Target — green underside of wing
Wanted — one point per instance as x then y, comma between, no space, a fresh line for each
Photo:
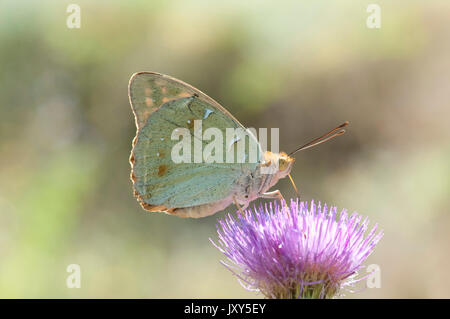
160,181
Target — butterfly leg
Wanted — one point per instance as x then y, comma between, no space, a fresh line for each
238,206
274,195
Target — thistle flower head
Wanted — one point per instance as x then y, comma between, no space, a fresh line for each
296,251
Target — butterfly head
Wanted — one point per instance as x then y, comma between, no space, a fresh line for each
284,161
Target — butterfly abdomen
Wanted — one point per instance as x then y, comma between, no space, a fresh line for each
202,210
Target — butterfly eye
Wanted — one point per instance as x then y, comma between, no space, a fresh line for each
283,164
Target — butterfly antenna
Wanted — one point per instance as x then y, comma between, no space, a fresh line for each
322,139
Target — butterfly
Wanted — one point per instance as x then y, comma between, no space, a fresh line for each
163,105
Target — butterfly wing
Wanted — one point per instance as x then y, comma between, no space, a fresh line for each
148,91
162,104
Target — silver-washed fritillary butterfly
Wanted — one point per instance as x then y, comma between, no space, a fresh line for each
161,106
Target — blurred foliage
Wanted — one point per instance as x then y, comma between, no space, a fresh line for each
303,66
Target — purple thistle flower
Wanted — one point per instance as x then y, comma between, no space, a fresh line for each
296,252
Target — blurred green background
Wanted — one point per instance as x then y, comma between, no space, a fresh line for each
304,66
